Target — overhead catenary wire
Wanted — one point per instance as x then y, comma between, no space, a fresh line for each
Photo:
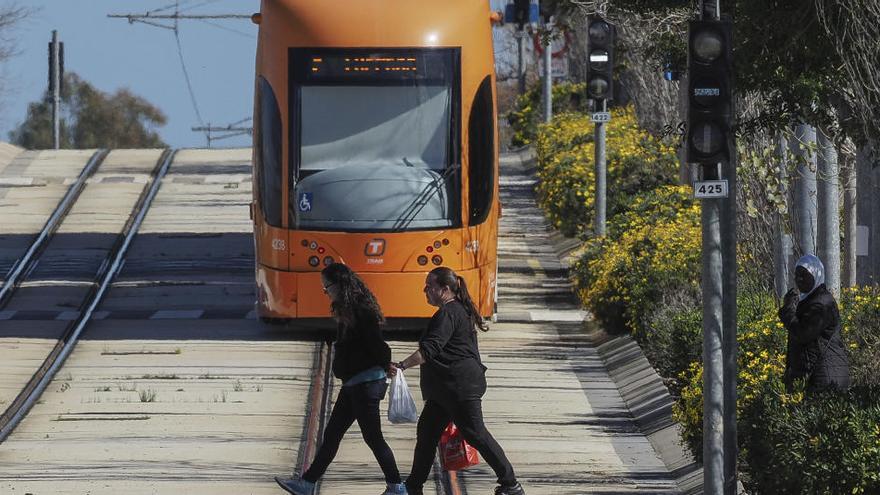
174,12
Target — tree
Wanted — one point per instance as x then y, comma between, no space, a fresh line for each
11,15
92,119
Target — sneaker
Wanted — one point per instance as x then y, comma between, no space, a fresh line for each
395,489
515,489
296,486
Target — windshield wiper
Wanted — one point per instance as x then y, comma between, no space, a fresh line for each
409,213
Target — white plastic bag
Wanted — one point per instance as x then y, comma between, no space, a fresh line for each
401,406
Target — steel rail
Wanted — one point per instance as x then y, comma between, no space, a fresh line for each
27,261
317,408
108,271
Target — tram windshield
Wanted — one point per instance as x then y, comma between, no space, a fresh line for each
373,141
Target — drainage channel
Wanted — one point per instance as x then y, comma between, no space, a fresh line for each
108,270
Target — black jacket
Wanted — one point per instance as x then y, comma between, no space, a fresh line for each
815,348
360,347
453,370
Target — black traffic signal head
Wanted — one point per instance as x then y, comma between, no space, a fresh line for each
710,91
600,58
521,12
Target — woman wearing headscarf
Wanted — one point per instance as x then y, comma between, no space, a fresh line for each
815,350
453,382
361,361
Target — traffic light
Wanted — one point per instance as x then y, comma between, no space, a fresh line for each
710,89
600,77
522,12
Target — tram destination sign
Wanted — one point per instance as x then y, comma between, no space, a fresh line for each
335,64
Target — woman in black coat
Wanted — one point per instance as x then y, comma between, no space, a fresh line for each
453,382
361,361
815,348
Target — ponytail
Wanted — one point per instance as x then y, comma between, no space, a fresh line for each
447,277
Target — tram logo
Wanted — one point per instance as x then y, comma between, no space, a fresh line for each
375,247
305,201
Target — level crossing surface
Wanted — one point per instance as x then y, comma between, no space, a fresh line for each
177,388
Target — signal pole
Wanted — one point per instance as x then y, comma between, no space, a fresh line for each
711,143
548,71
600,84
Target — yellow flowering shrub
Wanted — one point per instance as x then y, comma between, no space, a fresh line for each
760,360
860,320
652,249
527,112
635,160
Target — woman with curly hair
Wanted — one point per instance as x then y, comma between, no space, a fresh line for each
361,361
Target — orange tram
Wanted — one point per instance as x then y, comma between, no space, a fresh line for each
375,145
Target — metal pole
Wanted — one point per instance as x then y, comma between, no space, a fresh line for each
781,241
56,90
805,189
829,211
850,200
521,56
713,365
548,75
601,173
729,307
874,243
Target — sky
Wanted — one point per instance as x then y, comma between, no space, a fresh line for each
112,54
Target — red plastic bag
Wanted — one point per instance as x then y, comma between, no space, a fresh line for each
455,453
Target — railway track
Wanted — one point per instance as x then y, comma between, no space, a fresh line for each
176,388
109,266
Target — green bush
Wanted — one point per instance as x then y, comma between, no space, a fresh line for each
828,443
860,315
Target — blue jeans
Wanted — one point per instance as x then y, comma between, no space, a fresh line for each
357,402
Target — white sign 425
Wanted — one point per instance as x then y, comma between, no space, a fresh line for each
710,189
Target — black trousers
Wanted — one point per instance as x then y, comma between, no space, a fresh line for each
468,417
357,402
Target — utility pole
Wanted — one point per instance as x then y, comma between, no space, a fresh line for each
56,67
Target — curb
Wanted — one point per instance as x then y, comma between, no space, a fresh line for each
639,385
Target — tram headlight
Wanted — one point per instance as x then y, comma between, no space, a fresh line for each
314,261
328,260
422,260
437,244
437,260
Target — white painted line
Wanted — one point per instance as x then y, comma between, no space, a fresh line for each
16,181
7,314
558,315
177,314
100,315
67,315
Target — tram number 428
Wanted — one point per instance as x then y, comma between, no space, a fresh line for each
710,189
